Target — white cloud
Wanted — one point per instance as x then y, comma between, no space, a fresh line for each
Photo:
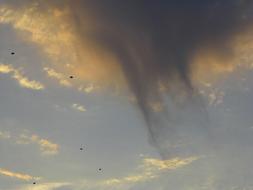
213,95
78,107
88,88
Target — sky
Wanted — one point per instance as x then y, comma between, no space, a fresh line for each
126,95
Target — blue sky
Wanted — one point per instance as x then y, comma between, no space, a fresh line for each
46,116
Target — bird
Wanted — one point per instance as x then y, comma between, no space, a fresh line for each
34,183
71,77
12,53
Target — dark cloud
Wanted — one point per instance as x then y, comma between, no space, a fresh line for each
155,42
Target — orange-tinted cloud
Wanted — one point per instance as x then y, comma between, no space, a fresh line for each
53,31
46,147
16,175
150,169
19,76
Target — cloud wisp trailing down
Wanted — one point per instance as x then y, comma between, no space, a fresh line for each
155,44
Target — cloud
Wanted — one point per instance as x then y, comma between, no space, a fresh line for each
158,50
88,88
6,68
22,80
20,176
26,83
44,186
55,34
4,135
156,107
78,107
216,99
148,170
171,164
46,146
213,95
59,76
151,168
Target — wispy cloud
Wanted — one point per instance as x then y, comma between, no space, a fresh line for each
4,135
44,186
172,164
19,76
47,147
214,96
156,106
79,107
88,88
151,168
58,40
5,68
59,76
16,175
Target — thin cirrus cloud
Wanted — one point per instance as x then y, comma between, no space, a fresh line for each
16,175
171,164
22,80
151,168
5,135
58,76
62,80
46,146
213,95
79,107
45,186
88,88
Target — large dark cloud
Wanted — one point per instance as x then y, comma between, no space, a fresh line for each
155,41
